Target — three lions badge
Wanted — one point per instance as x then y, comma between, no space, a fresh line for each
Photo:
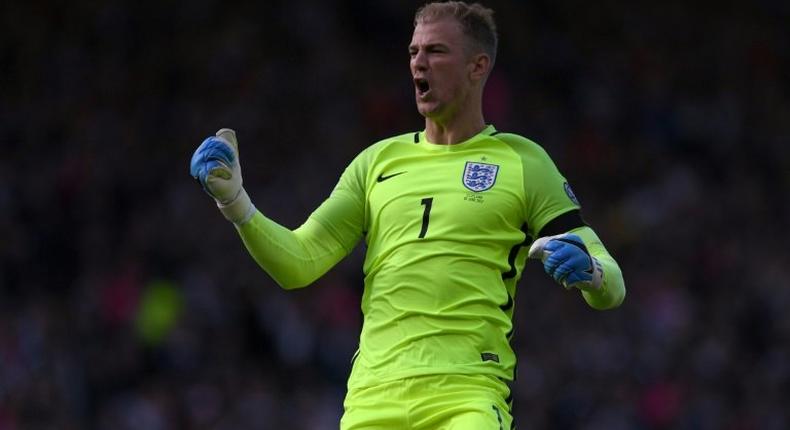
480,176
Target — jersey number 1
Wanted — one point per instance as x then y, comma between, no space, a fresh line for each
426,215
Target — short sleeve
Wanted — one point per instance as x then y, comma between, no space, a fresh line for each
547,193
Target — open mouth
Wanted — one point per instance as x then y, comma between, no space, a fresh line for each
422,85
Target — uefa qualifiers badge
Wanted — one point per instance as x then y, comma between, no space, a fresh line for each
480,176
570,194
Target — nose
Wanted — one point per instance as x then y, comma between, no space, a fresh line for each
419,61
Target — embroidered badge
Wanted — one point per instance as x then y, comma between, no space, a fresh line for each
480,176
570,194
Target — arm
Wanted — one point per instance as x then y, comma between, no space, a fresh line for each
611,292
295,258
578,259
554,215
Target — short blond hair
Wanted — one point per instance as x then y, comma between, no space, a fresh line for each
477,22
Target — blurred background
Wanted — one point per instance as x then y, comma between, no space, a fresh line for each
127,302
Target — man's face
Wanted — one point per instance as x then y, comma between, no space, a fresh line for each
440,66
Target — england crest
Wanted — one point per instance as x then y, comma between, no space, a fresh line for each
480,176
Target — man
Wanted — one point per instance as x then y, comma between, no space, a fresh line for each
445,213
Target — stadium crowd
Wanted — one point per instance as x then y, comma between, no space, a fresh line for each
127,301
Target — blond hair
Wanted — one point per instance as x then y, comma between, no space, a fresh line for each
477,22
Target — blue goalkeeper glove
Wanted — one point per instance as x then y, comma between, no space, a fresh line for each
215,164
566,259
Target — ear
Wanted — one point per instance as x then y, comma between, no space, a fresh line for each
479,67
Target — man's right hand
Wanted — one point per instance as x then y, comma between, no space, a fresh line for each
215,164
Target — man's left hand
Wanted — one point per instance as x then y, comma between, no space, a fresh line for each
566,259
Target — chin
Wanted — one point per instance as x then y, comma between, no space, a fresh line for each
429,110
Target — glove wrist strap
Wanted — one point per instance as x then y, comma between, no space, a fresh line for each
240,210
597,274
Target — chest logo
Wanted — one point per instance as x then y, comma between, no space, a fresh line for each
480,176
383,178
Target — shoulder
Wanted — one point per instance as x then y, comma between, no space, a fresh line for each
409,138
376,149
528,150
379,150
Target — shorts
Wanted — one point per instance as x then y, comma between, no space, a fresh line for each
432,402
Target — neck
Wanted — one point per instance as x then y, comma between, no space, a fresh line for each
456,129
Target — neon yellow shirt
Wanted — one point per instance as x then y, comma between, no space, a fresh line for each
445,227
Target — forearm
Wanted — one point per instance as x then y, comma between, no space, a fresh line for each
294,259
612,291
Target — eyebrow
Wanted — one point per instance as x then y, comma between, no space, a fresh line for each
429,46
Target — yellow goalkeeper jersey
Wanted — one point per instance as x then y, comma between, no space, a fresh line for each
445,227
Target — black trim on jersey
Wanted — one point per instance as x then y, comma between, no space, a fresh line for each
511,258
563,223
511,261
507,306
509,399
498,417
417,137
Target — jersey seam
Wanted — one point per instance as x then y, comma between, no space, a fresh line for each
332,233
523,174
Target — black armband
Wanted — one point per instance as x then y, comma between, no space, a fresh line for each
563,223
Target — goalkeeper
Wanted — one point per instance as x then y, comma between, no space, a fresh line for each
450,215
